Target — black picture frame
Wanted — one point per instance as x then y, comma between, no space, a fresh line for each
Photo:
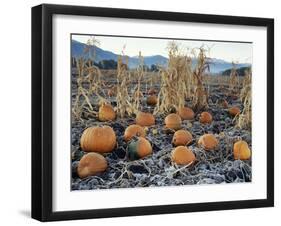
42,111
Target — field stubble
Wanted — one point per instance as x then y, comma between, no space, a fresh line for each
210,167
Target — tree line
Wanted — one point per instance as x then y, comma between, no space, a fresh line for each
112,64
240,71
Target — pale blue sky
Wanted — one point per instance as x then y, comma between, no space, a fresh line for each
229,51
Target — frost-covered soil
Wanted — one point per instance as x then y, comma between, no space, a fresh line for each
211,167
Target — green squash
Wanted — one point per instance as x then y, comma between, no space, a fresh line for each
139,148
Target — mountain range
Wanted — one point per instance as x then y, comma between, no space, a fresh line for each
216,66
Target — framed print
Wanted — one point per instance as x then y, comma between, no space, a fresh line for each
146,112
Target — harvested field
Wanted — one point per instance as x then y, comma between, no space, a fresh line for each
218,166
126,90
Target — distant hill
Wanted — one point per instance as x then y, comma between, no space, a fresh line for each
100,54
78,51
217,65
240,71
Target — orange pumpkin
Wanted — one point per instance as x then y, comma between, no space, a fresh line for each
241,150
106,113
208,142
233,111
98,139
133,130
145,119
138,148
182,137
91,164
186,113
205,117
173,121
151,100
181,155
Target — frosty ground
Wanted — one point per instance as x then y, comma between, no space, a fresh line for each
211,167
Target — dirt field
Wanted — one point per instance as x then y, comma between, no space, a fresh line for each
214,167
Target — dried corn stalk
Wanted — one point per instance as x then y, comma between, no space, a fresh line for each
246,85
176,81
123,99
244,120
234,79
135,99
88,83
200,96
